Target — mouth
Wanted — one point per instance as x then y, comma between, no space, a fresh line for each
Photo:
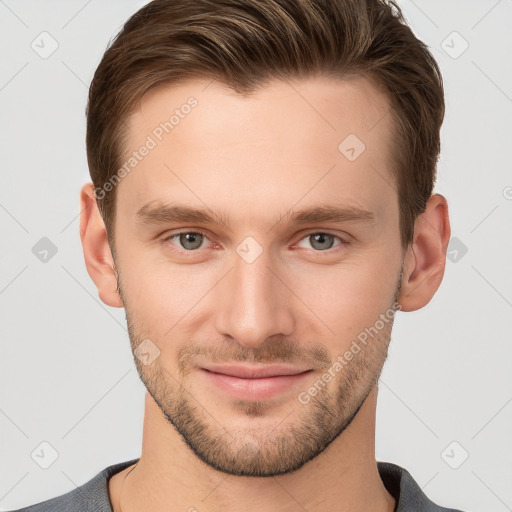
254,382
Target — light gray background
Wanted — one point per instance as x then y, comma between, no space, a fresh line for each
66,369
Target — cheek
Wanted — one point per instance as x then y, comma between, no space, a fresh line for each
160,294
349,297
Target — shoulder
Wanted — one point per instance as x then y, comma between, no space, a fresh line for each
408,494
91,496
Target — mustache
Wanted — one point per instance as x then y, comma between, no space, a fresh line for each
283,351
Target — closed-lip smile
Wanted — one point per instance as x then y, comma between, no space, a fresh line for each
249,382
256,372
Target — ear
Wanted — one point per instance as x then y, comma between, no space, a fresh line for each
98,257
426,257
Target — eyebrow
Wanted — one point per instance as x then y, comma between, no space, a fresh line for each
159,213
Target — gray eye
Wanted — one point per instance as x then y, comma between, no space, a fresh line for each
322,241
190,240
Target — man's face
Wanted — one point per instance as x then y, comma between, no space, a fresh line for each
256,287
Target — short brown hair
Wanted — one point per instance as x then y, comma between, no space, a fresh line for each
244,44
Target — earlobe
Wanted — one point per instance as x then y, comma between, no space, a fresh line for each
97,253
426,257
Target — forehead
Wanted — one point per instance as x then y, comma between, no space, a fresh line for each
303,143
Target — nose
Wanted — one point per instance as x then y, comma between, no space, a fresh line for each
254,302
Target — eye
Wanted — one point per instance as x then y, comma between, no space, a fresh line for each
188,240
322,242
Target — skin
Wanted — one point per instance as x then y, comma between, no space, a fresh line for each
300,301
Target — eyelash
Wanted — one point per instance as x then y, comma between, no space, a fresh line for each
168,238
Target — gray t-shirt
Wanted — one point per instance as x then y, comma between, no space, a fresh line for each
93,495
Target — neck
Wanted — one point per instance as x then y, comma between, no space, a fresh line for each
344,477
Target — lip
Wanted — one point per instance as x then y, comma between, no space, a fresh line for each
254,383
255,372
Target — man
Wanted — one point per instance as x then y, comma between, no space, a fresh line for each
228,143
